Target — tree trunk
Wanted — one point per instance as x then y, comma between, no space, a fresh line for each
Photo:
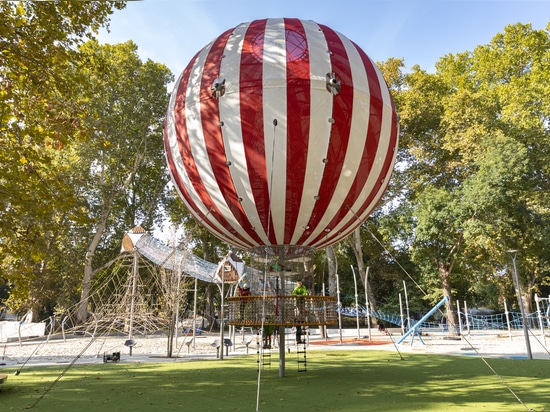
82,313
527,292
209,306
445,276
356,245
332,269
527,298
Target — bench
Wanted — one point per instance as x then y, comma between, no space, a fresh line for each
216,344
248,342
3,378
228,344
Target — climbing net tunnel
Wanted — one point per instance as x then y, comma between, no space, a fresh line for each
282,310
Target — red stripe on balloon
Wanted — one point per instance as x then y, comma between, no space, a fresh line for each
190,204
298,116
369,151
218,220
252,120
213,138
373,136
297,123
178,106
340,132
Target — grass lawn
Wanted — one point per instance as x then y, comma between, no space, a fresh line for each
336,380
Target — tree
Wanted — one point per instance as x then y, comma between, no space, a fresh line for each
40,116
499,117
474,168
122,172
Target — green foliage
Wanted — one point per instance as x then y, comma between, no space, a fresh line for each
82,161
41,114
122,173
474,172
81,146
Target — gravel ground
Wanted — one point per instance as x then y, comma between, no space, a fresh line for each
154,348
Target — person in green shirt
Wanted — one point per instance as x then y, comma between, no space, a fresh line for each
299,291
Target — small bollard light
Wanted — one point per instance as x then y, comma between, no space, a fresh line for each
130,343
114,357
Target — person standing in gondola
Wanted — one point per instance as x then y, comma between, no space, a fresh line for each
299,292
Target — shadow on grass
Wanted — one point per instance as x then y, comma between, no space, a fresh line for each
335,381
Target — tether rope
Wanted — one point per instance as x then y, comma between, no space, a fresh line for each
396,261
496,374
69,366
462,336
260,360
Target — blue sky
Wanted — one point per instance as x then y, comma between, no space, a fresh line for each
420,31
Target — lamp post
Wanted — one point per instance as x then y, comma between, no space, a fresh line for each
356,303
222,314
514,252
339,307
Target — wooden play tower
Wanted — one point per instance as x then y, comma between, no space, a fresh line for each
271,303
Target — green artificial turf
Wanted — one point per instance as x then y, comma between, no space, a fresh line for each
335,381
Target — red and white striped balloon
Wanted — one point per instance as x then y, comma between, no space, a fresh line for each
281,132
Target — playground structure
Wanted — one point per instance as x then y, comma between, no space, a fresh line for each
470,321
281,311
140,291
271,280
137,293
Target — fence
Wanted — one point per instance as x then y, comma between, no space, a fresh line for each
469,321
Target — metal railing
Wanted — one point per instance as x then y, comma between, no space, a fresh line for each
282,310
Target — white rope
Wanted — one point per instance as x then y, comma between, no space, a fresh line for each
462,336
260,360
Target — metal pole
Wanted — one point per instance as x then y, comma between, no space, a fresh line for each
177,301
222,314
356,303
401,313
407,305
541,327
195,314
520,302
339,308
459,317
467,318
367,299
324,327
132,302
281,290
506,313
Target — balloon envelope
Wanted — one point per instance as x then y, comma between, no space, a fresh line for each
281,132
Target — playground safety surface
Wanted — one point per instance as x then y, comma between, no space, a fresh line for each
350,341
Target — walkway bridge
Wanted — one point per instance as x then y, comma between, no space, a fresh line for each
378,314
468,321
